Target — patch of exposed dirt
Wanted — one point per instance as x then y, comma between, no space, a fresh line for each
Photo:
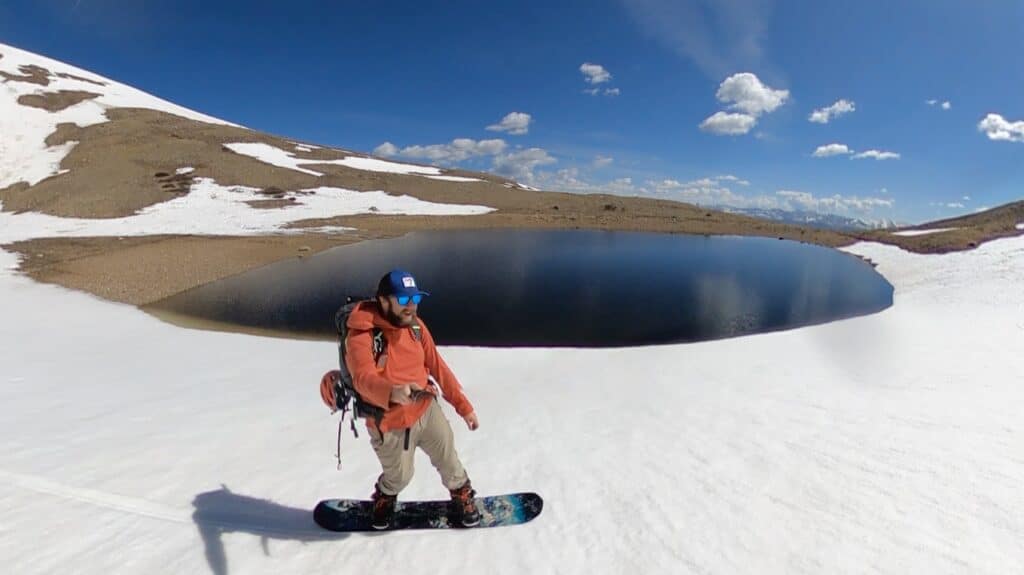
141,270
272,204
56,101
67,76
30,74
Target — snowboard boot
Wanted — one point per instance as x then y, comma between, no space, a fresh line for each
464,506
383,508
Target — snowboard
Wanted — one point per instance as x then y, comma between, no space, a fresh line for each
495,511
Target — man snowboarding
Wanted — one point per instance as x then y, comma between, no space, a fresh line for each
394,363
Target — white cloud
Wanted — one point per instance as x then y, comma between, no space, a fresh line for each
515,123
606,91
877,155
387,149
728,124
602,161
967,198
705,191
733,179
823,115
594,73
795,200
714,191
945,105
999,128
612,92
954,205
831,150
746,93
458,150
521,163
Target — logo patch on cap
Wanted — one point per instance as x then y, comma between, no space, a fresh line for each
408,282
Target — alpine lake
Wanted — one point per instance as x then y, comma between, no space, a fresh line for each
553,288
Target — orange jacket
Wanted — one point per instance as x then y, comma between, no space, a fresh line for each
407,361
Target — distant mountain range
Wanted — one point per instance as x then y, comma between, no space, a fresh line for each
815,219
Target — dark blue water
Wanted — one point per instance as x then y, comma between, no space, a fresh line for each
560,288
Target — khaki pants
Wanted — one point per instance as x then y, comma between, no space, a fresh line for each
430,433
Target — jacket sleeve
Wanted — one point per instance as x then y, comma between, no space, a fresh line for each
372,387
450,388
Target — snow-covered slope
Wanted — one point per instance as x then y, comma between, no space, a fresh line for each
24,155
890,443
208,208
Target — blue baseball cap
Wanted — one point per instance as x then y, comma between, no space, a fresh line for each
399,282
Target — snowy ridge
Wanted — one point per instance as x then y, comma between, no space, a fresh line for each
24,156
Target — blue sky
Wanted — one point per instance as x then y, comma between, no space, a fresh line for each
693,100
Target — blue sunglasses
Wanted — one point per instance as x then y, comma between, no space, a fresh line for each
405,299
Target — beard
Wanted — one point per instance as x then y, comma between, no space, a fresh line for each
403,318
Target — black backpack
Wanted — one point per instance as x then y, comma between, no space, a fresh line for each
336,387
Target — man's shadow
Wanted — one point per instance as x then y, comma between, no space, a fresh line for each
221,511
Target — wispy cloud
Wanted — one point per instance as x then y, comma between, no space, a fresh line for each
515,123
996,127
945,105
829,150
594,73
876,155
602,161
749,98
824,115
733,179
719,37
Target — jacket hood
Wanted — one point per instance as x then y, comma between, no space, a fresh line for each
367,315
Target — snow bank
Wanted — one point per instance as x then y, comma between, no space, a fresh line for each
922,232
285,159
212,209
273,155
24,156
889,443
454,178
1020,226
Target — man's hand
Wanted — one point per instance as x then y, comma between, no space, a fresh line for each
401,394
472,422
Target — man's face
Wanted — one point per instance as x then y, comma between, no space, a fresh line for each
397,314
